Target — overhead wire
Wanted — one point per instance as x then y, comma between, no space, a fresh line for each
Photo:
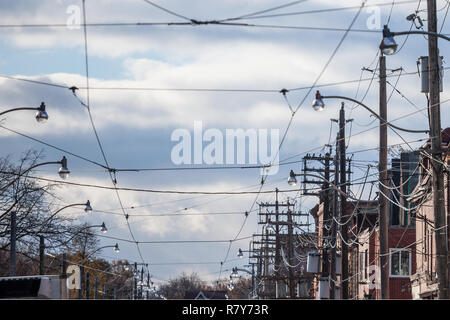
328,10
249,15
300,104
88,87
229,90
113,180
168,11
445,17
388,122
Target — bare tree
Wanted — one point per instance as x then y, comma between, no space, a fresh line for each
33,204
177,287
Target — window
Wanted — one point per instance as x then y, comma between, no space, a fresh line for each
361,266
400,261
366,262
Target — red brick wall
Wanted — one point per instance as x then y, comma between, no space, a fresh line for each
400,288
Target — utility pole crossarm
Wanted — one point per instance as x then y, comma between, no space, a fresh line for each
332,185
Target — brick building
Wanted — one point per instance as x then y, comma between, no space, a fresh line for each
402,263
364,218
363,235
424,280
404,177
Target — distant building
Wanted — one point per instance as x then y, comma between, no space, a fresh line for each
33,287
364,219
405,175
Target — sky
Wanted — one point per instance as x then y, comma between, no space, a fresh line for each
240,70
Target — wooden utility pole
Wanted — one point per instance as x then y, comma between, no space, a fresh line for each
436,154
282,215
96,289
12,251
326,216
142,284
383,177
80,291
64,266
334,224
87,288
291,274
41,255
266,264
343,187
277,247
135,296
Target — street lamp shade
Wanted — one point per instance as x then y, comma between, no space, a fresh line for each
116,248
240,253
64,171
318,103
41,114
388,45
103,229
88,208
292,181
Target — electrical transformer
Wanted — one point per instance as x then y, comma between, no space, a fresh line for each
424,73
313,262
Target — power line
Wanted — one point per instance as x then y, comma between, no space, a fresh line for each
281,162
294,112
175,214
224,90
399,118
445,17
113,180
264,11
53,147
175,241
319,11
168,11
101,24
149,190
193,22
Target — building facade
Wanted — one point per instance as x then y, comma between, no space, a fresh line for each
363,236
424,280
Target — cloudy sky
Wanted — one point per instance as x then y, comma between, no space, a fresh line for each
138,76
